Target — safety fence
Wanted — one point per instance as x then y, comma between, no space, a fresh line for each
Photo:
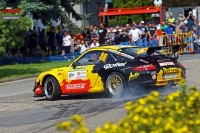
193,44
28,60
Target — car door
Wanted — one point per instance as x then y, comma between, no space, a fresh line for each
81,78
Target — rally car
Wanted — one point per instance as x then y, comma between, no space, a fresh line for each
111,69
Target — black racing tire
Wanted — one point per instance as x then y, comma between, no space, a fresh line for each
111,88
52,89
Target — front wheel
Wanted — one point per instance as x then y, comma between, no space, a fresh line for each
115,83
52,89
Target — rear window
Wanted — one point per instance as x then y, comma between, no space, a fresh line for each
133,51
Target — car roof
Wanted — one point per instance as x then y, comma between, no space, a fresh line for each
112,47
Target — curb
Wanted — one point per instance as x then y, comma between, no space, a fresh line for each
19,78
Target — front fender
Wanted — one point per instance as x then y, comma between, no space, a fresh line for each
58,76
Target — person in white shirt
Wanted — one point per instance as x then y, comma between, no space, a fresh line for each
94,44
84,47
67,42
135,35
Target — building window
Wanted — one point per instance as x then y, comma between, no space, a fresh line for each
98,5
87,7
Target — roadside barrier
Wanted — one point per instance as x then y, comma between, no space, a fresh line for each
28,60
176,39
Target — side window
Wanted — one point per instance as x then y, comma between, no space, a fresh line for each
90,58
114,57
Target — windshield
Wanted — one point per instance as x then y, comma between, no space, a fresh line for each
133,51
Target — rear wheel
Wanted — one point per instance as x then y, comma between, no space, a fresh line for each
115,84
52,89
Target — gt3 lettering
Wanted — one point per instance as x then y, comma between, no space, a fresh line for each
76,86
166,64
133,76
108,66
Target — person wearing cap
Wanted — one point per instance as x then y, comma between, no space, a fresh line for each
143,40
185,28
191,18
135,35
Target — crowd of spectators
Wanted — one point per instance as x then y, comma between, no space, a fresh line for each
144,34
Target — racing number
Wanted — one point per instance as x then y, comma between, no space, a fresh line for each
103,56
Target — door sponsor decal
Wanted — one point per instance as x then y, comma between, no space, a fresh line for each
133,76
103,56
76,86
108,66
166,64
77,75
121,54
171,70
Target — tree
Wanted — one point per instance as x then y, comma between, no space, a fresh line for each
56,9
13,32
181,3
132,3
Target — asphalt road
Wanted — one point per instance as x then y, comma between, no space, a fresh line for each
21,113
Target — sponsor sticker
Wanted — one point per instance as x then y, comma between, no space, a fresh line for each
121,54
108,66
144,61
76,86
166,64
133,76
103,56
171,70
77,75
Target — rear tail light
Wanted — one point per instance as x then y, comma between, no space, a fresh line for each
180,64
145,68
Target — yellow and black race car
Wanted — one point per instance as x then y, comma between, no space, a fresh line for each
111,69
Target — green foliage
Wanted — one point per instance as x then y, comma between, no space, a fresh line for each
132,3
179,112
13,32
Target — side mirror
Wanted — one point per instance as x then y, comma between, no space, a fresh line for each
74,65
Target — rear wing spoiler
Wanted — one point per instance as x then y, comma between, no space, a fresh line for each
151,50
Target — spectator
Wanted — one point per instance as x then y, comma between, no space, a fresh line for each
64,30
96,28
185,28
143,29
196,43
32,41
77,46
38,51
27,53
43,41
9,55
38,32
107,42
18,54
164,26
134,23
94,44
152,35
135,35
117,34
124,37
196,28
181,18
111,36
191,18
59,40
127,29
171,19
102,34
67,42
89,33
94,35
169,31
51,41
84,47
79,36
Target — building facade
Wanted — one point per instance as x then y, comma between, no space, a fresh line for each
88,7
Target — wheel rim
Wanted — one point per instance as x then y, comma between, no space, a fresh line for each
48,88
115,84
